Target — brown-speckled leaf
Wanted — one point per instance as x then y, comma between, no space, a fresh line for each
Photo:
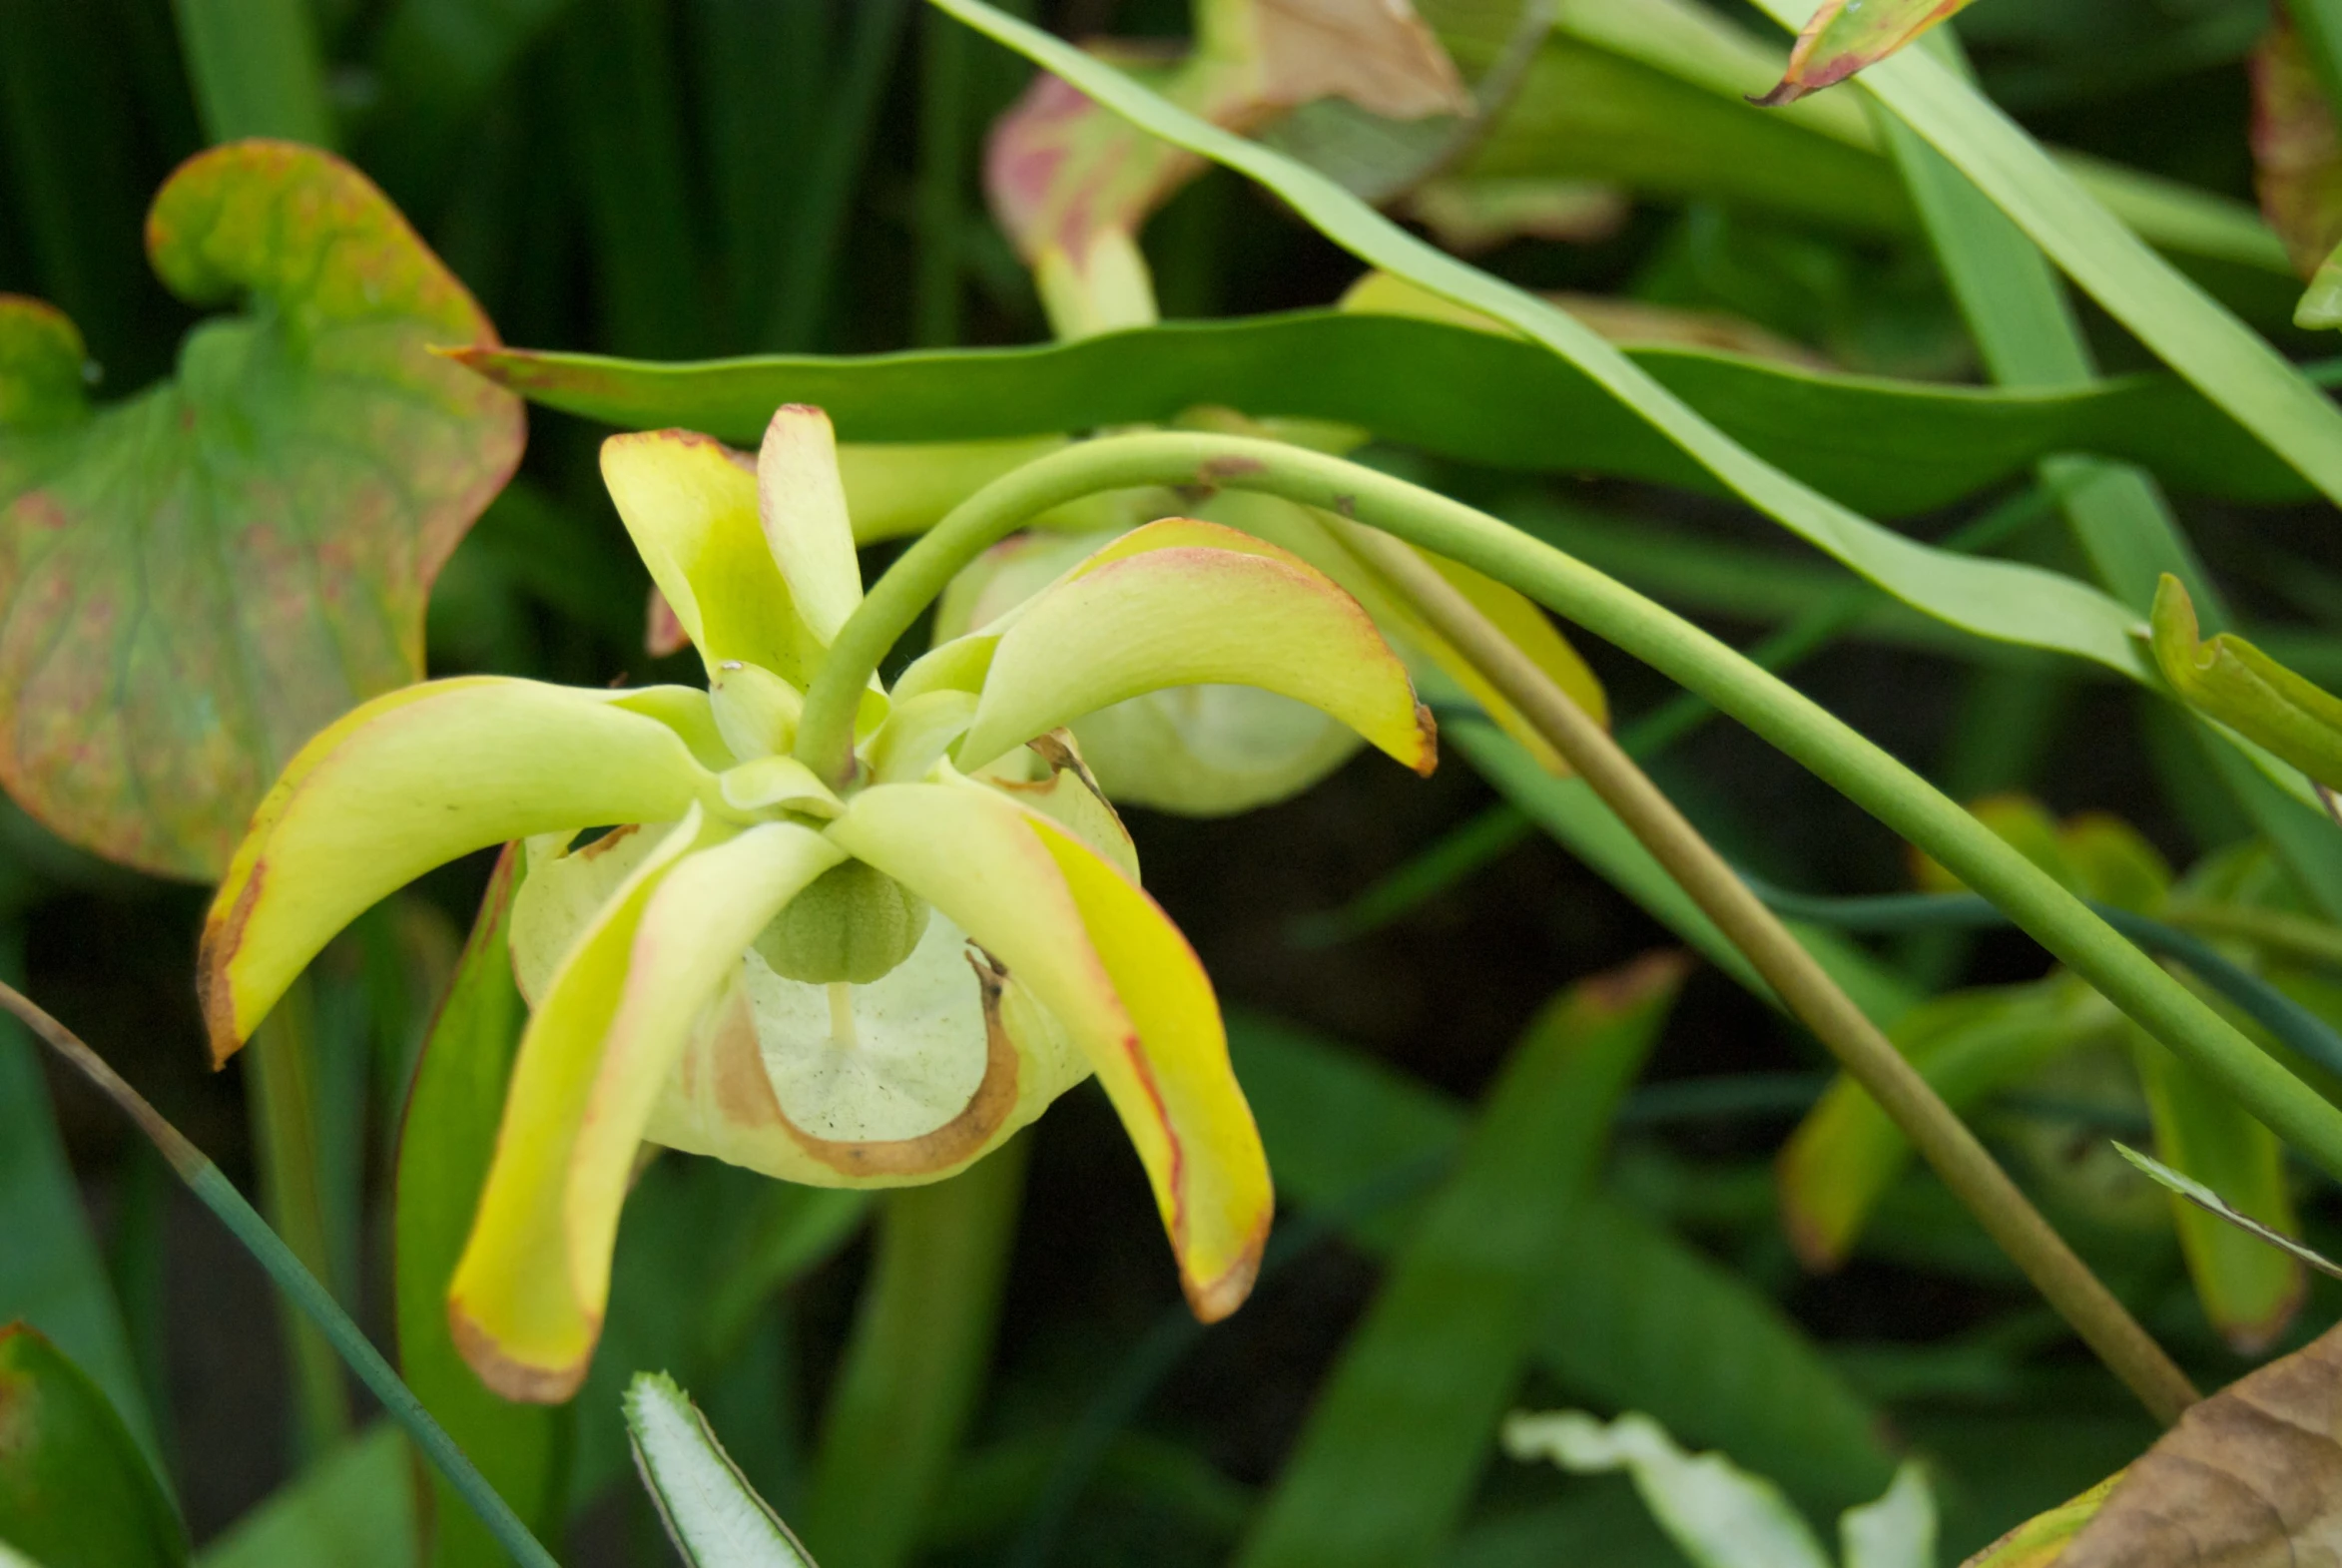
2249,1478
195,580
1846,35
2297,155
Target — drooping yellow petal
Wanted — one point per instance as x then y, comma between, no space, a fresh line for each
514,1306
694,930
1196,751
802,503
1098,953
1195,614
692,509
409,782
1304,531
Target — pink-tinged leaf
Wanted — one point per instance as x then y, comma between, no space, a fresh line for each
1846,35
1071,183
1378,54
2297,155
195,580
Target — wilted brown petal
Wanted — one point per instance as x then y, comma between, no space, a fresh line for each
2251,1476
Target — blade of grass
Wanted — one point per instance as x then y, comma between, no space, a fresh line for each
255,69
66,107
916,1363
2170,314
946,84
2023,326
50,1275
626,134
714,1517
193,1166
817,239
1402,1428
763,74
1637,1320
2212,1203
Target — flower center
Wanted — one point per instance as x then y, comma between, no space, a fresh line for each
852,925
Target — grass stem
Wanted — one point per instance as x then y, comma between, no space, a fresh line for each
193,1166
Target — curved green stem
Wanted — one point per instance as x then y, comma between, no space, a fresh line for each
1817,739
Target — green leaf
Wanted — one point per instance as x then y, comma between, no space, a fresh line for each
1891,447
75,1491
2249,1291
198,578
445,1144
50,1273
2168,313
1847,1153
2025,327
712,1514
1640,1320
1847,34
1398,1434
354,1508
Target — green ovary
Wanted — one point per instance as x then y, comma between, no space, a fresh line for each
852,925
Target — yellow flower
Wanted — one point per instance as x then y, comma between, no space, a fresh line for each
870,984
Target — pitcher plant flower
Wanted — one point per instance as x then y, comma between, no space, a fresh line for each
867,984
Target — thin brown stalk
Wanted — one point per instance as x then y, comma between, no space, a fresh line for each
1809,993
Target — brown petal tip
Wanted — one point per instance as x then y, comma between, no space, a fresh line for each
508,1379
215,991
1213,1299
1427,756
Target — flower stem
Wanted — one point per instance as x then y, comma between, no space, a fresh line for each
204,1179
1802,984
1801,728
915,1367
